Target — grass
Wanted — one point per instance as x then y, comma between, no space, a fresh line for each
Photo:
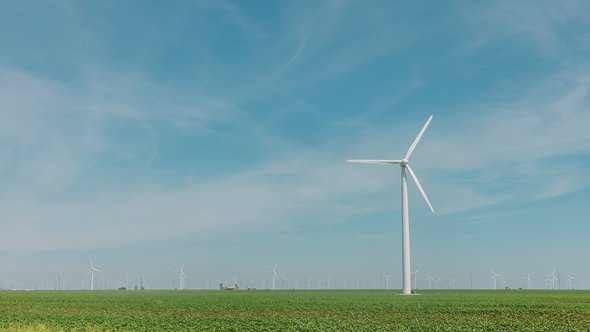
459,310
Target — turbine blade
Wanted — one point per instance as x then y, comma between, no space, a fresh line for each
369,161
413,146
419,187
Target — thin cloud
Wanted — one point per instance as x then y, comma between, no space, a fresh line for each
539,24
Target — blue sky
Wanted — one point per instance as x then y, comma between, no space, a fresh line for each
144,135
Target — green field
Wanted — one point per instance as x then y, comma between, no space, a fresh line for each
456,310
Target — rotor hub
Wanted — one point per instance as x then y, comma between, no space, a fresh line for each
404,162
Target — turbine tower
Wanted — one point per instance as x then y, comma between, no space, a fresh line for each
91,272
405,168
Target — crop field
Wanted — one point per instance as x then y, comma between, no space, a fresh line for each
450,310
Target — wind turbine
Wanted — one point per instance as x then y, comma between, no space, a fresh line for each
494,278
452,283
553,279
430,279
405,168
91,272
569,280
387,280
415,278
274,276
181,277
529,283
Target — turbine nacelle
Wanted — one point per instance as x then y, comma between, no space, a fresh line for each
404,162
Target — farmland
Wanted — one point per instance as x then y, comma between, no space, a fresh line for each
441,310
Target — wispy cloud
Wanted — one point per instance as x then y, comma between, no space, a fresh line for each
235,16
68,131
318,184
541,24
529,140
274,196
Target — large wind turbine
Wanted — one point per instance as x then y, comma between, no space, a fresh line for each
405,168
91,272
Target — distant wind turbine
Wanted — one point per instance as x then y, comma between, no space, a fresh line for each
415,273
91,272
387,281
452,283
569,280
430,279
405,168
494,278
554,278
529,282
274,276
329,280
181,277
